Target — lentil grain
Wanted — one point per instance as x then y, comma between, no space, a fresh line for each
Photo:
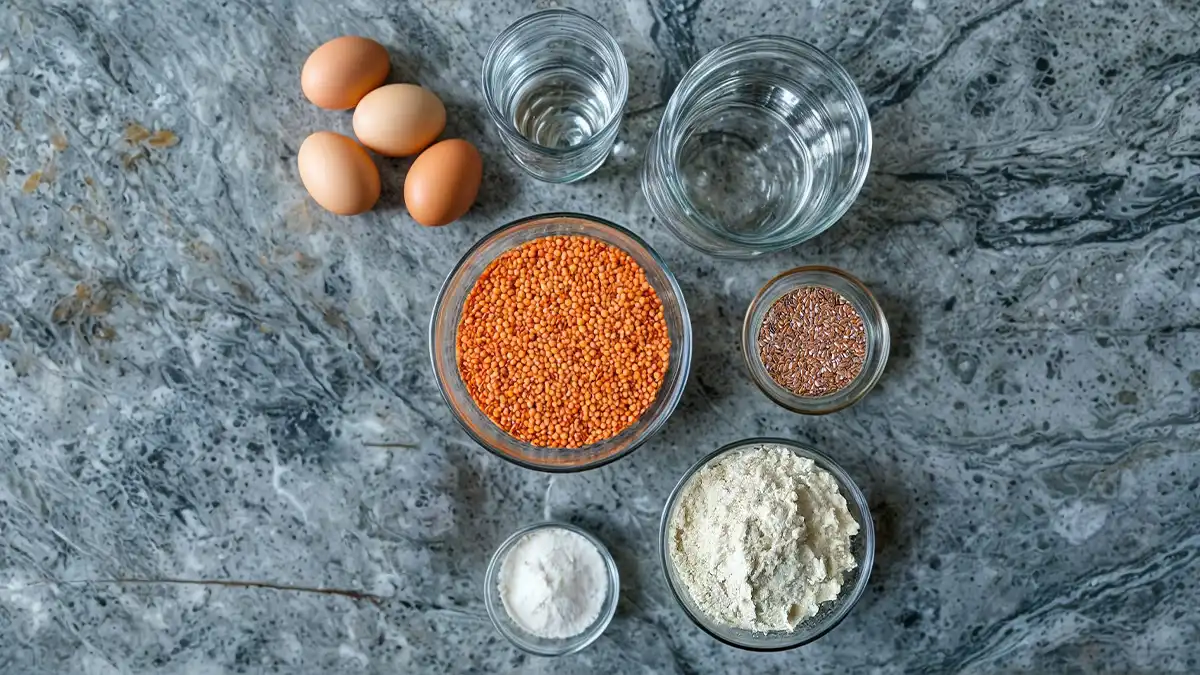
563,341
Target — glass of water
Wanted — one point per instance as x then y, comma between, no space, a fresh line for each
764,144
556,85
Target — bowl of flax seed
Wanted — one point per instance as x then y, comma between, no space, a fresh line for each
815,340
561,342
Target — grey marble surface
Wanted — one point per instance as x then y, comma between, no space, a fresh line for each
199,369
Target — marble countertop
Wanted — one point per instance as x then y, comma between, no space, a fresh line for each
204,377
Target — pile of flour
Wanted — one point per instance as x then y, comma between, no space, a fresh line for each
553,583
761,538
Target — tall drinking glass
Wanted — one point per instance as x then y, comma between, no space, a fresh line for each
556,83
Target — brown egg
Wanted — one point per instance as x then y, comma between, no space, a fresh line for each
398,120
338,173
340,72
443,181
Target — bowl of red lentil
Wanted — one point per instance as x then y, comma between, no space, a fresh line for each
561,342
815,340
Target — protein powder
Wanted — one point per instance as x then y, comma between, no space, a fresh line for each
761,538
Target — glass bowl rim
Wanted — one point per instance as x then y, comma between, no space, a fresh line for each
501,120
494,606
685,334
845,484
861,385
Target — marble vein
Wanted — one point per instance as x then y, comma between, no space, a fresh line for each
205,378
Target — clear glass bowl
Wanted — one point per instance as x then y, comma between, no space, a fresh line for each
854,583
764,144
532,643
879,340
443,331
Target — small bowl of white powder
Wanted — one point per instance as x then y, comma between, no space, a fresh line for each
767,544
551,589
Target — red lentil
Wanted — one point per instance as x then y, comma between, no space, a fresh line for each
563,342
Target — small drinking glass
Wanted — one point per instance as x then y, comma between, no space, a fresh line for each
764,144
556,83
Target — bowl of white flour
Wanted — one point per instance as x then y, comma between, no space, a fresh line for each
767,544
551,589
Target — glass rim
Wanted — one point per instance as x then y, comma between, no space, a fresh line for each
501,120
751,46
577,642
862,384
671,403
663,146
851,492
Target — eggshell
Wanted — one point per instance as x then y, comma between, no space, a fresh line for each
338,173
398,120
443,182
340,72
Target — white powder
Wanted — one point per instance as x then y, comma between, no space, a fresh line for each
553,583
761,538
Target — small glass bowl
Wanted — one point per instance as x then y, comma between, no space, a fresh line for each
443,333
532,643
830,614
879,341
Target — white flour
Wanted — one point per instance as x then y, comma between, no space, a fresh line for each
553,583
761,538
